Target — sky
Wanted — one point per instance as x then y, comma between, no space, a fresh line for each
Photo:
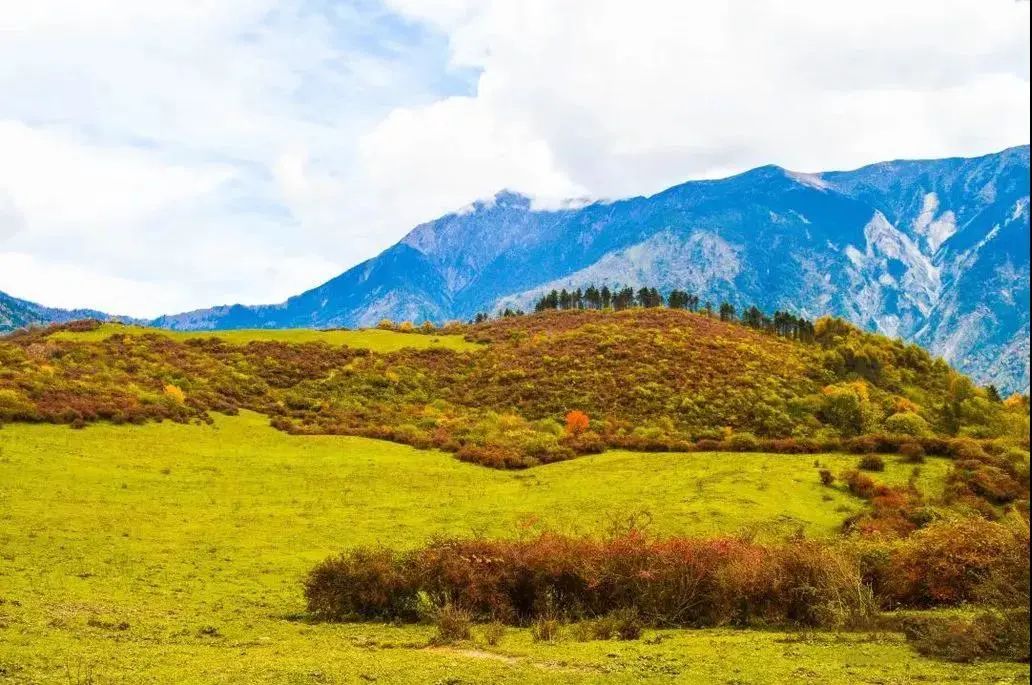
157,157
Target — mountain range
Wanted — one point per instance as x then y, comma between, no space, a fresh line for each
933,251
16,313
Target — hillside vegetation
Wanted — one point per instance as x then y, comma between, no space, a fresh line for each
640,379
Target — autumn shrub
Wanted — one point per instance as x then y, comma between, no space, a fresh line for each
631,578
985,481
576,422
990,482
952,562
795,446
997,635
861,485
965,448
827,477
872,462
862,445
453,623
893,513
822,586
912,452
366,583
584,443
936,446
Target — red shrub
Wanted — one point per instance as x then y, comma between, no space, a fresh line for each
576,422
953,562
676,581
861,485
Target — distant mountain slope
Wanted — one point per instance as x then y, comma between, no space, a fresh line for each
16,313
934,251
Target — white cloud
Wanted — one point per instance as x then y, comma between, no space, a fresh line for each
149,145
166,156
631,97
61,182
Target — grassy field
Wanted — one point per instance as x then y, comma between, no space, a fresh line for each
366,338
173,553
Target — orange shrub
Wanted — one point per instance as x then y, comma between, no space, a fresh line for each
175,393
956,561
576,422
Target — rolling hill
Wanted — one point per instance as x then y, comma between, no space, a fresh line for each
647,378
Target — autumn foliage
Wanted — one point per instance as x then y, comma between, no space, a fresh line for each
668,582
576,422
679,581
649,379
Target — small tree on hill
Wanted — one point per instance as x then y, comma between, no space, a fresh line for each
993,394
576,422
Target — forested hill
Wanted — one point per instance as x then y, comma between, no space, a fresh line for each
534,388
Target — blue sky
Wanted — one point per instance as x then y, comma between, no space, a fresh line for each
156,157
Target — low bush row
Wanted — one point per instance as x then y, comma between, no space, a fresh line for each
677,581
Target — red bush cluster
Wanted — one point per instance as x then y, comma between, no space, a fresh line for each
679,581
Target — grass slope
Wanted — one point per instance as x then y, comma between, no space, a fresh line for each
370,339
196,537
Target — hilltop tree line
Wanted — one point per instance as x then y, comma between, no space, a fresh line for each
781,323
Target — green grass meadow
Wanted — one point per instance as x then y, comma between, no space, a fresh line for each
373,339
174,553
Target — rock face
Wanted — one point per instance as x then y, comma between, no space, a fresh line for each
933,251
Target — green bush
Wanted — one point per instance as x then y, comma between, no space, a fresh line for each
907,423
494,632
743,442
546,629
453,624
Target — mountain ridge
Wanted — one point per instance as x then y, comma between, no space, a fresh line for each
18,313
934,251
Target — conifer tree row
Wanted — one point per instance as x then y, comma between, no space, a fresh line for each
784,324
